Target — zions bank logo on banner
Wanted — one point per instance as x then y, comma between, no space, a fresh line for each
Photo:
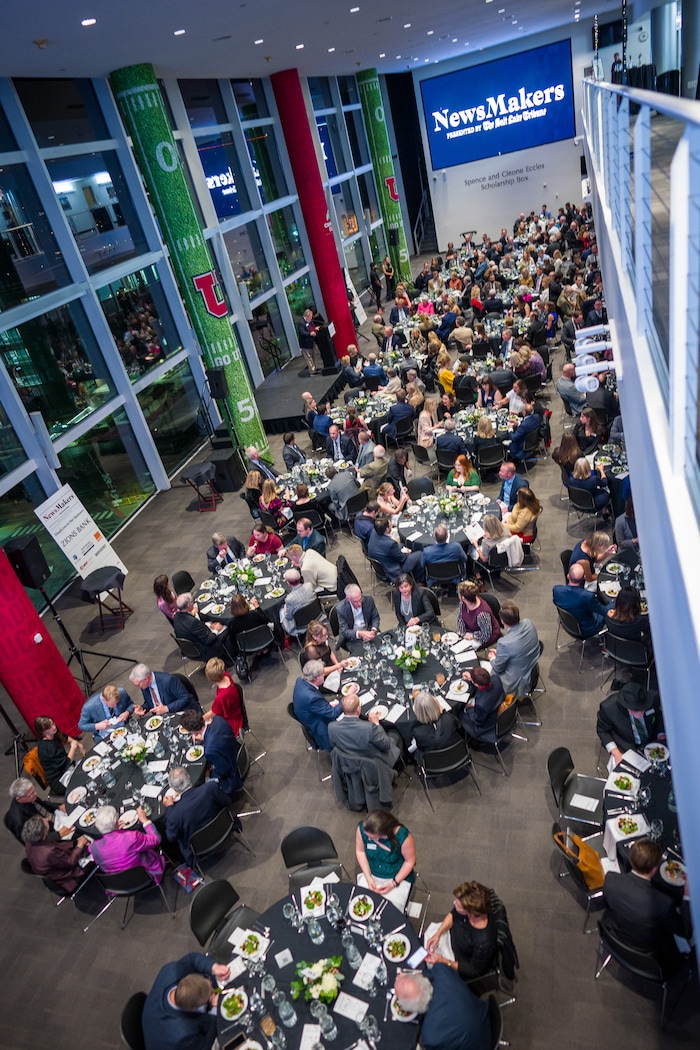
498,107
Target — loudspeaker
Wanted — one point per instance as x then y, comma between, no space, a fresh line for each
393,237
217,383
221,437
27,559
230,473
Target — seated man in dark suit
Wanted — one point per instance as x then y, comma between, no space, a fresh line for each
511,482
644,916
162,693
311,707
223,551
358,619
339,446
309,538
450,441
181,1008
255,463
530,422
479,718
209,642
453,1017
388,553
390,341
25,804
194,808
629,718
104,711
444,550
220,748
362,736
373,368
363,526
585,605
386,424
396,471
292,455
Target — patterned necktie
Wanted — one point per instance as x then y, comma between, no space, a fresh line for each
639,729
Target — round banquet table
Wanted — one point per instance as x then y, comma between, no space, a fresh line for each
119,795
394,1035
630,572
223,586
429,515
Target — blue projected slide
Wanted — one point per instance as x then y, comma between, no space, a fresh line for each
498,107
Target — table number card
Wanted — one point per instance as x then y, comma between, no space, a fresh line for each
350,1007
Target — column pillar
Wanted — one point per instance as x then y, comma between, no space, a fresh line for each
294,119
385,175
141,105
34,674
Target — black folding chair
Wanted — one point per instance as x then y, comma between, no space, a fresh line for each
189,651
571,626
213,920
127,885
443,761
215,836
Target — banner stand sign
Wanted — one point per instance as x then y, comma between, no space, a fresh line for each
73,528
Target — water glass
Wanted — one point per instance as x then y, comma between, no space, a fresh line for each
657,829
256,1002
289,911
318,1009
351,953
381,973
315,931
159,750
269,984
287,1013
328,1028
644,796
278,1039
369,1026
333,899
333,915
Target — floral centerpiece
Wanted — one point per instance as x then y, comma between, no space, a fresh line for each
319,980
490,363
473,416
409,659
245,574
136,751
450,504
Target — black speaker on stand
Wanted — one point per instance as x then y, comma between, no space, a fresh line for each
217,383
32,570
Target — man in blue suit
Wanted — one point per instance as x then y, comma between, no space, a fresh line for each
531,421
104,711
584,605
450,441
195,807
388,553
372,368
443,550
311,707
339,446
177,1014
162,693
220,748
510,484
387,423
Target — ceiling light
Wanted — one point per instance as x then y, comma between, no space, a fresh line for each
63,186
501,10
260,41
430,32
88,22
179,32
354,10
331,50
407,25
299,47
426,59
102,178
398,56
454,39
383,54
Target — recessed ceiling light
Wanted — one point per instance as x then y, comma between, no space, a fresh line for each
398,56
88,22
430,32
514,22
426,59
331,50
299,47
260,41
454,39
179,32
501,10
383,54
354,10
407,25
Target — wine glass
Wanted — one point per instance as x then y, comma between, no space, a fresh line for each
657,829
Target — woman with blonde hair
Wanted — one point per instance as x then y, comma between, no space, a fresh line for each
272,504
524,514
445,374
592,481
253,491
316,647
590,552
427,420
388,503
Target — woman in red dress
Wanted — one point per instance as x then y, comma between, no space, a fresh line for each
227,701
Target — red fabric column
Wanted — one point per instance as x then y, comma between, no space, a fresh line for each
294,118
34,674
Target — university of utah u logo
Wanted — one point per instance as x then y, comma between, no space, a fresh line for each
208,285
391,186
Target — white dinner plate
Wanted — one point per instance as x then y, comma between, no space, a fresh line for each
380,709
657,752
76,795
195,753
450,637
154,722
399,1014
88,818
128,818
91,762
401,946
361,898
237,996
672,872
352,663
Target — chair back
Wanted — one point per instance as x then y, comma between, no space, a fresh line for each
570,864
125,883
307,845
493,604
313,516
307,613
356,504
404,427
497,562
420,454
213,835
372,382
443,571
346,576
303,876
188,649
379,571
182,582
308,735
641,963
569,623
210,905
445,459
418,487
560,765
333,622
243,763
188,686
533,383
489,457
267,519
432,598
581,500
565,558
256,639
531,442
446,759
626,651
130,1027
506,720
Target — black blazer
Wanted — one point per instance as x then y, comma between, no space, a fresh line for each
442,733
420,606
196,807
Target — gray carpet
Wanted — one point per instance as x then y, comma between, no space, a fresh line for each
64,990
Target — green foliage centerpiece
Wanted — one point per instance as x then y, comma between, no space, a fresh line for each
319,980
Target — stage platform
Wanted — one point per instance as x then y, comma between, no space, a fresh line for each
279,396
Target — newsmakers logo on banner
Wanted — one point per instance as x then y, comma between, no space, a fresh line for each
73,528
500,107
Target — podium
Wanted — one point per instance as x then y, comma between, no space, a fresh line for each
326,348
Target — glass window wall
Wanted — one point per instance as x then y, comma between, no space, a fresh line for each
57,367
377,244
7,139
348,91
11,452
245,252
357,137
331,145
285,236
265,157
223,174
320,90
61,111
106,470
93,194
203,102
250,99
300,296
30,261
368,195
355,262
171,407
139,317
345,210
268,335
17,518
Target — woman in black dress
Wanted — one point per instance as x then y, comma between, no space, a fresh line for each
434,728
471,928
52,753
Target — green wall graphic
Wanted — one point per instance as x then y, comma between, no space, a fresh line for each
141,105
385,176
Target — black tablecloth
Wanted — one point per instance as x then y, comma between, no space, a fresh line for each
199,473
455,524
106,578
394,1035
270,606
